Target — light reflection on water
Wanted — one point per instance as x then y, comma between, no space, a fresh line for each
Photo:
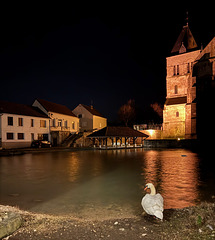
100,183
176,176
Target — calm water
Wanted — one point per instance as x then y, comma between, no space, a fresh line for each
94,184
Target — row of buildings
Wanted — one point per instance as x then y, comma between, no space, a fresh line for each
21,124
187,114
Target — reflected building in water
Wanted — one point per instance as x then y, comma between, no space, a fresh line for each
176,177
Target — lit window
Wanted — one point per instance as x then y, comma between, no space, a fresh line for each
20,122
43,123
59,123
40,136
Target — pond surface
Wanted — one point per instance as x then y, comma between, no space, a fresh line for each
104,184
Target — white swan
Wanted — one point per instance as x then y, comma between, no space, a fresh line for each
153,203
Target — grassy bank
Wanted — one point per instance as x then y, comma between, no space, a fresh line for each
188,223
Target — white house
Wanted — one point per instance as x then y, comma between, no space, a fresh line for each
90,118
20,124
63,121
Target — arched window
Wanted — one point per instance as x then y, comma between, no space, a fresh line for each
177,69
177,114
176,89
174,70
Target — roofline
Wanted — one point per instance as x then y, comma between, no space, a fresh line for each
63,114
24,115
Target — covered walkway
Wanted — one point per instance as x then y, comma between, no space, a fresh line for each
117,137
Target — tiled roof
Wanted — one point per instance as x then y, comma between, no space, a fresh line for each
177,100
92,110
117,132
20,109
55,107
185,39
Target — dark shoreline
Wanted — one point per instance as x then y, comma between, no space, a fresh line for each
196,222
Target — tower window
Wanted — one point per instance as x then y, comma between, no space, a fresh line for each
177,69
174,70
188,68
176,89
177,114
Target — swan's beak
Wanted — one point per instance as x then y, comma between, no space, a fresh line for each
145,188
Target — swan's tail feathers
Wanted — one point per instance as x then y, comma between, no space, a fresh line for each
159,215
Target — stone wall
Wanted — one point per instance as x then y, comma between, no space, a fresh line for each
179,120
174,121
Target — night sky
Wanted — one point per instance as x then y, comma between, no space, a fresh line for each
103,53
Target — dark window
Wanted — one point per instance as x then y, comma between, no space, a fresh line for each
177,69
20,135
9,135
45,137
32,122
32,136
176,89
10,121
177,114
188,68
174,71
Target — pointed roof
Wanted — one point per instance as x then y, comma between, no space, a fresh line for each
20,109
117,132
185,41
55,107
92,110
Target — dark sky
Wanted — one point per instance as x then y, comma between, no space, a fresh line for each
106,53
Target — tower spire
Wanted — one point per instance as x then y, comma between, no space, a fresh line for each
187,18
185,41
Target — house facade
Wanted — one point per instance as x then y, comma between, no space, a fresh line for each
90,118
63,121
21,124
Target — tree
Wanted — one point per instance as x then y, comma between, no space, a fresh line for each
127,112
158,109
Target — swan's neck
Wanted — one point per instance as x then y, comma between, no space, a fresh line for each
153,191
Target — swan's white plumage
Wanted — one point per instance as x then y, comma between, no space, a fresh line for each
153,203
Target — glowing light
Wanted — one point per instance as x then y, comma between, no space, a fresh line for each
151,132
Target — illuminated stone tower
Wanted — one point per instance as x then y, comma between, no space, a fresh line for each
179,114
